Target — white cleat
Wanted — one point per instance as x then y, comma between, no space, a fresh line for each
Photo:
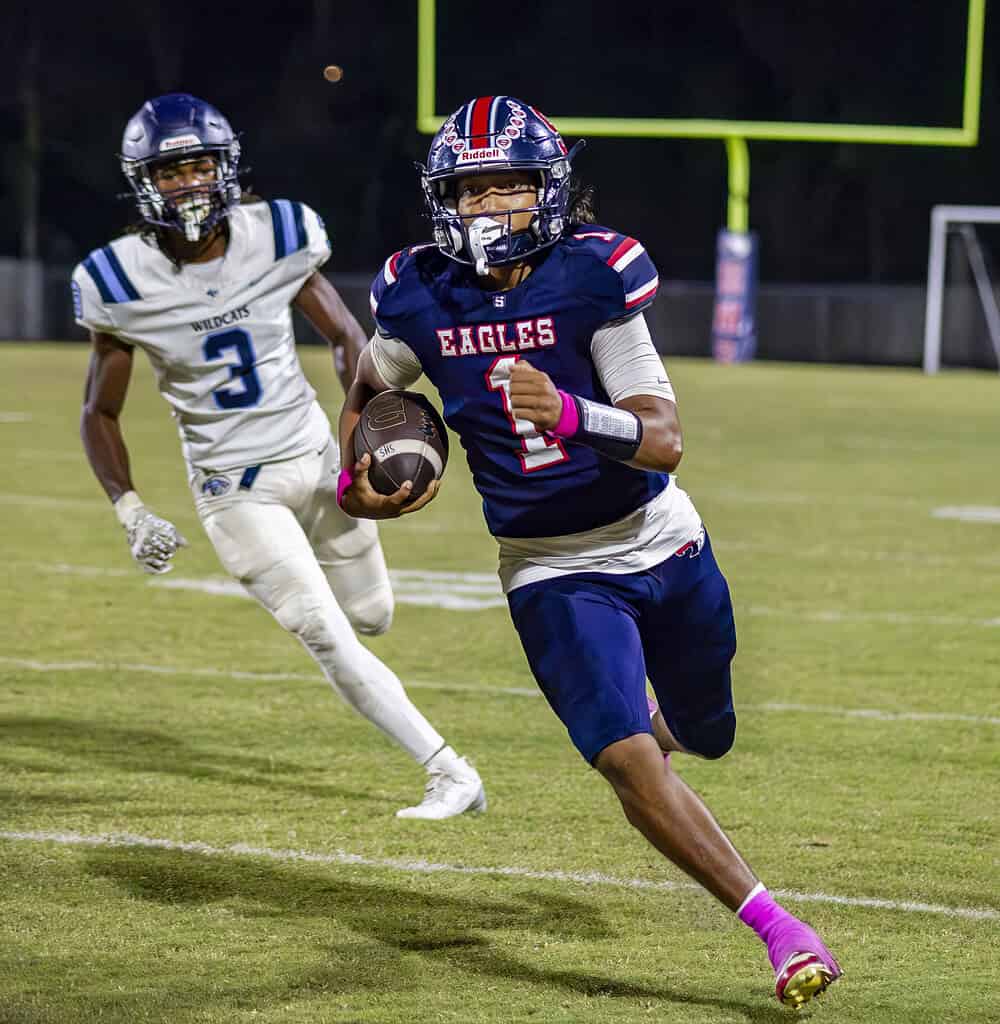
451,792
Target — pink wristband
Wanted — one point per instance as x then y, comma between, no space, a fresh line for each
569,419
344,481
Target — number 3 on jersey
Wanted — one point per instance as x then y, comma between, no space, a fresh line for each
243,371
538,451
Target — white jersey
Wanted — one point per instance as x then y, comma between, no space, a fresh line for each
219,334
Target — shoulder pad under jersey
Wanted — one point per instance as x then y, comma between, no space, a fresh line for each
398,288
294,228
105,270
624,256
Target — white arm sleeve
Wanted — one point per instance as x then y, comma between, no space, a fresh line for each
627,363
394,361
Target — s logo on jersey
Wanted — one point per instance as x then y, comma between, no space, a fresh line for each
489,339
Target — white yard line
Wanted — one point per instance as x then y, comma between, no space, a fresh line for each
826,552
62,568
775,707
16,417
728,495
423,867
835,616
969,513
462,592
443,590
479,591
875,714
259,677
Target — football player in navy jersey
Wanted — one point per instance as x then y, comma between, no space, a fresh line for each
528,318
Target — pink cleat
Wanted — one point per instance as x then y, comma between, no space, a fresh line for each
803,966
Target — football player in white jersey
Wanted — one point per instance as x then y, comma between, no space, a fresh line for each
206,288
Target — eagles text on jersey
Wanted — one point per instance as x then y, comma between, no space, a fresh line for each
467,339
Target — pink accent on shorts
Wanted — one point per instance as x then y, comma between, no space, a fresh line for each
569,419
344,481
653,708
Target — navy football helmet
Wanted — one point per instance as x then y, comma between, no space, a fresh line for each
486,135
181,127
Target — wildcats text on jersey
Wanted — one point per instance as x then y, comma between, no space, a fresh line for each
232,316
489,339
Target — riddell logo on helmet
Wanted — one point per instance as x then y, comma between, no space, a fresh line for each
475,156
179,142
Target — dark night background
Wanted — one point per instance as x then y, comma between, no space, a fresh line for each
825,213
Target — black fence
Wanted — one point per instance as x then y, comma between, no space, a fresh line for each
865,324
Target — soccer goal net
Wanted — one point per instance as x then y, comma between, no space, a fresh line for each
962,323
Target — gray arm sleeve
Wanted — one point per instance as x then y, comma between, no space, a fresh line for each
394,361
627,363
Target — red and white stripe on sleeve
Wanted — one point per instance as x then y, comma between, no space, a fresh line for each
386,277
639,278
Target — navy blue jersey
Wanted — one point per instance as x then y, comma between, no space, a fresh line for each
467,339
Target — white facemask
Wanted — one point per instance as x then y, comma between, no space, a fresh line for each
193,210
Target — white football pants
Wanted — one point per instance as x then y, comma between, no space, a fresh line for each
318,572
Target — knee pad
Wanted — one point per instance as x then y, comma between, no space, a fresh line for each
302,616
370,613
351,543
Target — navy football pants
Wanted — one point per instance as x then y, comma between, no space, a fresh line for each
592,639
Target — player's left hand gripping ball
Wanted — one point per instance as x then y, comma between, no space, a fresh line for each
401,445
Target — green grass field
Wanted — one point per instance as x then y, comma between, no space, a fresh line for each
266,878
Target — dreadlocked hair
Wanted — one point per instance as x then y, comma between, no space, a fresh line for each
580,206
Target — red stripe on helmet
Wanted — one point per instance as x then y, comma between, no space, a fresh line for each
548,124
479,130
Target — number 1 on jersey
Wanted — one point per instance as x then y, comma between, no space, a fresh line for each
539,452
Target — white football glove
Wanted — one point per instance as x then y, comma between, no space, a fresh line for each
152,540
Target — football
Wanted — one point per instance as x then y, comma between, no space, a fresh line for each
406,439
